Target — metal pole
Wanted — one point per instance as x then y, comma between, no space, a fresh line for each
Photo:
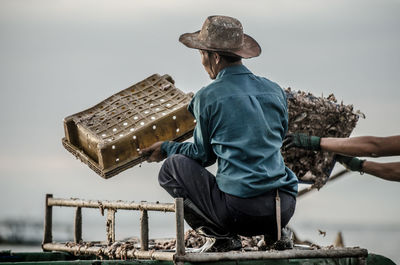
48,221
110,252
361,254
284,254
120,205
144,230
110,226
78,225
180,230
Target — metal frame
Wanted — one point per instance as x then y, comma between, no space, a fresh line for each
179,256
111,207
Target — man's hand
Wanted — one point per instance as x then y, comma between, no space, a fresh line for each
301,140
153,153
351,163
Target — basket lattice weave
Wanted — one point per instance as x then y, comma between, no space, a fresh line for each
109,136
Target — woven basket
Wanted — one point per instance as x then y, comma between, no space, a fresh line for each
109,136
321,117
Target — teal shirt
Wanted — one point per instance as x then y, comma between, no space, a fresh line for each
241,122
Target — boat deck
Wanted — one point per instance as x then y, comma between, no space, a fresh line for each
61,258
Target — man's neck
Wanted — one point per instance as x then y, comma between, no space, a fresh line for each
224,65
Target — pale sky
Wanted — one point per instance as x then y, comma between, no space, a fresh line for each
61,57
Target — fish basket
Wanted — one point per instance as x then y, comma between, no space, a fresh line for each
108,136
322,117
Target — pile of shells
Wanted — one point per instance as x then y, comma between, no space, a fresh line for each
119,249
194,240
317,116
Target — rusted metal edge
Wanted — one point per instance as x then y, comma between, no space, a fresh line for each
48,220
107,251
151,206
144,230
110,226
285,254
113,171
208,257
78,225
180,230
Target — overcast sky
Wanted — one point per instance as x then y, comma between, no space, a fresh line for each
61,57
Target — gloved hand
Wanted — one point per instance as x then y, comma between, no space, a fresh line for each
301,140
351,163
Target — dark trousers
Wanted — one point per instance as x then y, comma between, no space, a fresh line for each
183,177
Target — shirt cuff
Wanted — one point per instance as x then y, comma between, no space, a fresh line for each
164,148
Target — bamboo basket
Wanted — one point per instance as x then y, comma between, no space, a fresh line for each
108,136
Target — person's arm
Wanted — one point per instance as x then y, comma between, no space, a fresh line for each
201,148
387,171
355,146
362,146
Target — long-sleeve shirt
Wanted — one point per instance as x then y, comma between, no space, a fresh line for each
241,121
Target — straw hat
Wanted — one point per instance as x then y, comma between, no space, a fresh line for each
222,34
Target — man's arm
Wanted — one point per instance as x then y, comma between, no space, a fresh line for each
355,146
387,171
201,148
362,146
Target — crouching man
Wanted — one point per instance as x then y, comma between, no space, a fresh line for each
241,122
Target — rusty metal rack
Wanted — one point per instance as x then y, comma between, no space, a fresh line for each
179,255
111,207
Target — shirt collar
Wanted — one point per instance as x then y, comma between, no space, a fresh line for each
233,70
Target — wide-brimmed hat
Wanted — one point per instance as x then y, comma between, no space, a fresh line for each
222,34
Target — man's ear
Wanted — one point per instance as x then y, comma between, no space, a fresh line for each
217,58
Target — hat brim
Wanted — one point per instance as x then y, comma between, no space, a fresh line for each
249,49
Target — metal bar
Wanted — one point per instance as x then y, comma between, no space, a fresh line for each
164,207
209,257
311,188
110,226
144,230
285,254
78,225
152,255
180,230
95,250
48,221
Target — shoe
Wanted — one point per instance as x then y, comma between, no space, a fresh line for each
221,244
286,241
227,244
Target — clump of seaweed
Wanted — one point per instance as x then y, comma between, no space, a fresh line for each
321,117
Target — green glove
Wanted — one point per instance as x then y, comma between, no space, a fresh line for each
351,163
302,140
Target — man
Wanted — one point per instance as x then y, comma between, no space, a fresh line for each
241,122
369,146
